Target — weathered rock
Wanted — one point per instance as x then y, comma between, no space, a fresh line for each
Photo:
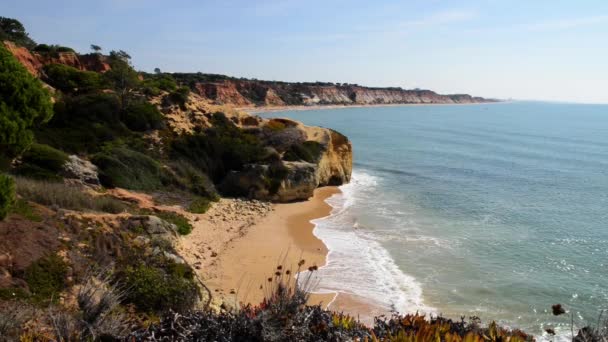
152,225
83,171
299,179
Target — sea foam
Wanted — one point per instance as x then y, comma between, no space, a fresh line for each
357,263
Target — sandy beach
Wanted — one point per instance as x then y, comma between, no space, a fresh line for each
235,247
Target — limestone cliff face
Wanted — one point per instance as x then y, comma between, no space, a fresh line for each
247,93
332,167
34,62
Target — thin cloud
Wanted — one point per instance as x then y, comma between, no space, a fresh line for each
567,23
440,18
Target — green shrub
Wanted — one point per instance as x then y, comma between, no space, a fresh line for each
46,278
52,49
9,293
309,151
7,195
45,156
24,209
189,178
42,162
180,96
199,205
121,76
13,30
153,84
183,225
156,289
220,149
142,116
124,168
275,125
69,79
97,107
83,123
66,196
24,104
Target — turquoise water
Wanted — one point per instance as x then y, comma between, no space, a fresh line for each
492,210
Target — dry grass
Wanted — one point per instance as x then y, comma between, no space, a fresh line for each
64,196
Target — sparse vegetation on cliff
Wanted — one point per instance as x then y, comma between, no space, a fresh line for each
113,127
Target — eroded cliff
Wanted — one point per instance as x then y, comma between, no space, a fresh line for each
34,62
247,93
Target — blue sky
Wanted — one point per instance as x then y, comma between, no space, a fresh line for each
534,49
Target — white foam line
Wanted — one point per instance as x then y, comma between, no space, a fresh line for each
412,298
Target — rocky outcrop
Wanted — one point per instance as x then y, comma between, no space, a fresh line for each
78,170
298,179
152,225
246,93
34,62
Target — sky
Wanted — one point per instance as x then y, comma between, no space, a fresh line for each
530,50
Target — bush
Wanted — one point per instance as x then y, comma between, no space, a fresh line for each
24,104
42,162
220,149
25,210
69,79
124,168
83,123
180,96
183,225
199,205
153,84
309,151
52,49
7,195
66,197
160,289
46,278
46,157
189,178
142,116
13,30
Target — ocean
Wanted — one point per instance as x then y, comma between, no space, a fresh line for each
489,210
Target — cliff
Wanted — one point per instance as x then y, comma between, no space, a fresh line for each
34,62
282,181
247,93
330,164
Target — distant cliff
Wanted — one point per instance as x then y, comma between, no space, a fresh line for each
34,61
248,93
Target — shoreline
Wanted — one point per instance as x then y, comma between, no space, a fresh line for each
273,109
283,236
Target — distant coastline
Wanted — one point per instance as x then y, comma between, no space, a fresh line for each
271,109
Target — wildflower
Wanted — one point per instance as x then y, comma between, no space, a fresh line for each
288,272
277,273
279,267
270,280
301,263
558,309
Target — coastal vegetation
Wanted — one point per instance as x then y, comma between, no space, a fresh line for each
89,259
